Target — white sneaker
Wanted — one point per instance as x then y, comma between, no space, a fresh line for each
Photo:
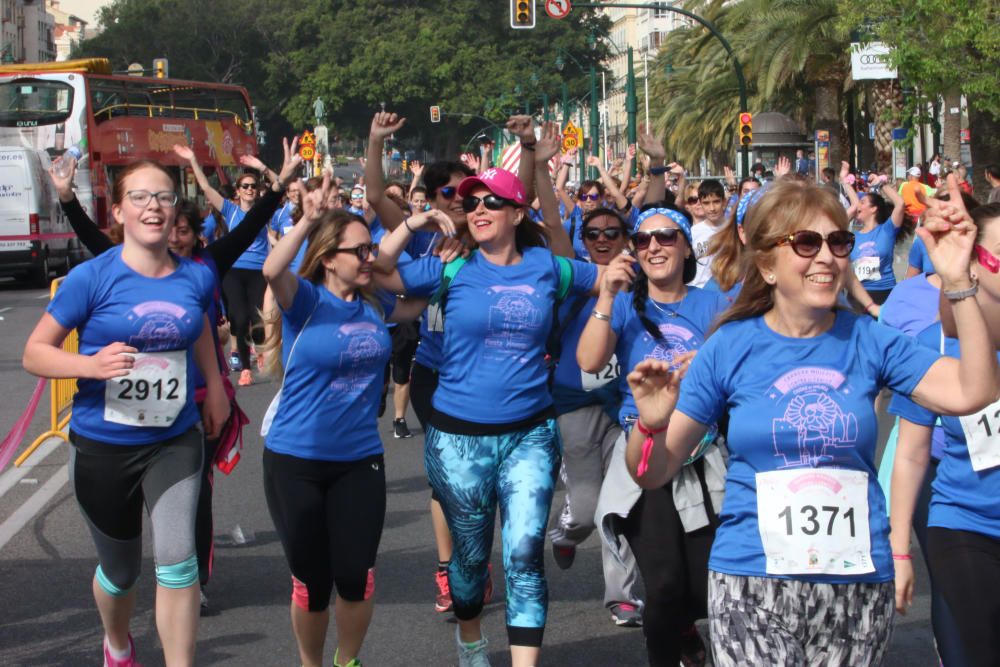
472,655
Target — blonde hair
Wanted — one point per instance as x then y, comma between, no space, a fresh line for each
324,239
787,206
725,248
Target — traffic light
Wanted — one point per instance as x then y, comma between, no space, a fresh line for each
746,129
522,14
161,68
435,114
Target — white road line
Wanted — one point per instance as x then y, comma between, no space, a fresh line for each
43,296
26,512
13,475
4,310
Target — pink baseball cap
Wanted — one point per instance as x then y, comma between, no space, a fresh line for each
500,182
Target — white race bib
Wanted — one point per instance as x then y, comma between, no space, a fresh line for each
152,394
867,268
435,318
814,521
591,381
982,438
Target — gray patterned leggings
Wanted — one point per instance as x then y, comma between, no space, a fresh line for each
788,623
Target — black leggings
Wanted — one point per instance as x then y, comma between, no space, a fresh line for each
244,293
674,568
329,516
423,382
203,528
966,568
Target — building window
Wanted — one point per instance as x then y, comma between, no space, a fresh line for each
659,13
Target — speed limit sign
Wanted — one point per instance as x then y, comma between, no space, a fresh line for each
558,9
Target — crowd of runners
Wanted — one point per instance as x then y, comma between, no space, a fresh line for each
701,365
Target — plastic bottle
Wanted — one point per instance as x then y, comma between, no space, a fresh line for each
64,165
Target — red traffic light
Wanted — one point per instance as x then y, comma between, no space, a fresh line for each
746,118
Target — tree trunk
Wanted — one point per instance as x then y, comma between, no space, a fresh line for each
827,96
984,129
951,126
886,100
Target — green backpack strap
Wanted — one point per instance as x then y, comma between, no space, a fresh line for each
448,273
565,277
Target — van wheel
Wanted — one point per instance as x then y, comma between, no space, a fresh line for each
39,275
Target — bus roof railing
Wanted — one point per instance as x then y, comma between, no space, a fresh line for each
149,109
90,65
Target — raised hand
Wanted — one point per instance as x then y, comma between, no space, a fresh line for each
384,124
730,176
651,146
549,143
64,184
845,170
416,168
432,220
316,203
949,234
291,162
184,152
112,361
594,161
784,166
630,151
655,386
522,126
253,162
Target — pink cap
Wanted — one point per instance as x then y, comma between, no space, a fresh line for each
500,182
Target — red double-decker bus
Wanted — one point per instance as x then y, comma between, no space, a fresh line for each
46,108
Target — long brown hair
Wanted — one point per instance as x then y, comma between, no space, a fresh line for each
324,238
724,248
786,207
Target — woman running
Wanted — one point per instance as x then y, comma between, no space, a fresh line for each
801,571
875,242
141,316
323,466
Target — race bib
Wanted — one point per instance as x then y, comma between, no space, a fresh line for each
435,318
814,521
591,381
981,436
152,394
867,268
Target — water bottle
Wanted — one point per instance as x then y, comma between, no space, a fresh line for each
64,165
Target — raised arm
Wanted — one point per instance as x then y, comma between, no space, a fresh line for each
898,207
548,147
561,177
621,203
598,340
384,124
417,169
86,229
653,147
211,194
255,163
523,128
848,189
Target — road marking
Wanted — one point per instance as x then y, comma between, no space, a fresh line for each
4,310
26,512
14,475
43,296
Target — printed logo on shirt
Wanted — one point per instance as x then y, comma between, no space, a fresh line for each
676,341
360,361
158,326
513,319
814,426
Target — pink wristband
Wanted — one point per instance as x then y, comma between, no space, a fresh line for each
647,446
902,557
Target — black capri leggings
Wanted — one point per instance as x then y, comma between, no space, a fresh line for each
243,290
329,516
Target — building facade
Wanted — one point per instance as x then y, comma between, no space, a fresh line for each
27,32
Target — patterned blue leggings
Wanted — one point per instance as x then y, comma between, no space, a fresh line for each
472,474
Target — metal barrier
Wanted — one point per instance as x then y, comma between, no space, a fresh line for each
61,394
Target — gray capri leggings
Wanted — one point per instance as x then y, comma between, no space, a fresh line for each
113,482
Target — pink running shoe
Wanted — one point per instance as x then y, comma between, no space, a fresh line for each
130,661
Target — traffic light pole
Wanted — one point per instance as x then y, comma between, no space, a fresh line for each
595,125
740,80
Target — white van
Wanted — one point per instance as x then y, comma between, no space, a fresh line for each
35,236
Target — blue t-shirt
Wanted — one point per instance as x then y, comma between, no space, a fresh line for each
798,403
879,242
333,385
919,258
961,498
572,388
713,286
208,226
497,320
431,332
281,224
108,302
254,256
683,325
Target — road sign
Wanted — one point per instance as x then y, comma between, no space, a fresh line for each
558,9
572,137
307,152
308,139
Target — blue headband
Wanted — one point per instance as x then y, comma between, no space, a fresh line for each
676,216
748,200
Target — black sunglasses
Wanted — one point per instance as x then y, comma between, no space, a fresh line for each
362,252
448,191
593,197
807,243
246,186
693,200
491,202
665,236
594,233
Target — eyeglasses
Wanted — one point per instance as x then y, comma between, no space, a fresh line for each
610,233
987,260
357,196
665,236
807,243
362,252
693,200
593,197
448,191
247,186
141,198
491,202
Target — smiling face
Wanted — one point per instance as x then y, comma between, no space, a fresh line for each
603,249
713,208
813,283
246,190
294,193
663,264
589,198
451,206
492,227
148,225
344,268
182,237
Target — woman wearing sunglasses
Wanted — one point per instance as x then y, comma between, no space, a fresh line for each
492,438
801,571
323,466
669,529
963,527
586,403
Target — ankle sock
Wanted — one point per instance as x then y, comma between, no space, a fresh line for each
443,565
118,654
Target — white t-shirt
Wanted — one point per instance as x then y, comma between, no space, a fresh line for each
701,235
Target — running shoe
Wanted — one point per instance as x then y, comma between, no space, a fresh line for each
442,603
488,591
693,650
626,615
353,663
472,655
400,429
130,661
246,378
564,556
234,362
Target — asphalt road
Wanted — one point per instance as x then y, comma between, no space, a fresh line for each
47,561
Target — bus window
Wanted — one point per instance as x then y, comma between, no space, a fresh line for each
34,102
